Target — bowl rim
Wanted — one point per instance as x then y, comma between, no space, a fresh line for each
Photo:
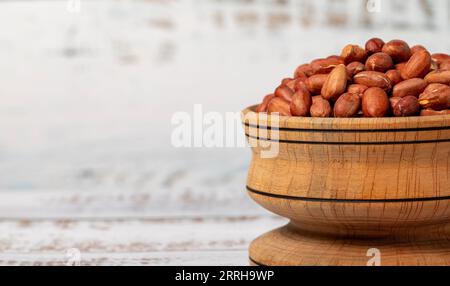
416,123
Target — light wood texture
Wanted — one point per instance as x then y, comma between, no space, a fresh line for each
202,240
352,184
289,246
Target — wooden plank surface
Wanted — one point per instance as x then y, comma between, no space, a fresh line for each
174,241
166,258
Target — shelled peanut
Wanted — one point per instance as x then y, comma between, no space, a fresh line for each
379,80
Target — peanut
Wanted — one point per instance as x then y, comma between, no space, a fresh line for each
406,106
284,92
438,76
280,106
347,105
301,102
324,66
374,45
263,106
373,79
394,76
357,88
413,87
398,50
417,48
320,107
440,58
335,83
304,69
375,102
379,62
354,68
445,66
417,66
315,83
353,53
436,96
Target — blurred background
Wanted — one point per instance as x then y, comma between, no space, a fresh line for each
88,89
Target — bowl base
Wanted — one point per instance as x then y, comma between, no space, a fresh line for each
287,246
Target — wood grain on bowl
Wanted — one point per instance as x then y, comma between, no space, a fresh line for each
352,184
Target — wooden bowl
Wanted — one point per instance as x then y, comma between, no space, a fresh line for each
356,190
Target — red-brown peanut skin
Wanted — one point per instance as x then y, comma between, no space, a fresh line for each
417,66
286,80
284,92
439,58
438,76
410,87
263,106
280,106
380,62
294,84
304,69
291,84
335,83
336,57
377,80
405,106
315,83
394,100
353,53
394,76
300,84
320,107
301,102
375,102
354,68
325,66
347,105
399,67
417,48
299,75
435,96
398,50
373,79
445,66
374,45
356,88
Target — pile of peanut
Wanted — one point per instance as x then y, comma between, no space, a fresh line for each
382,79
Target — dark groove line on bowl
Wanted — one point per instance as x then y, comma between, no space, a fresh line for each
348,130
256,262
347,143
312,199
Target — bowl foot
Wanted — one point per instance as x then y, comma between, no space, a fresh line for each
287,246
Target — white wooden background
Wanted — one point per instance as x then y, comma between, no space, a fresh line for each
86,98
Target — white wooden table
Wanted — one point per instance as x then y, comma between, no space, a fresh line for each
130,238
